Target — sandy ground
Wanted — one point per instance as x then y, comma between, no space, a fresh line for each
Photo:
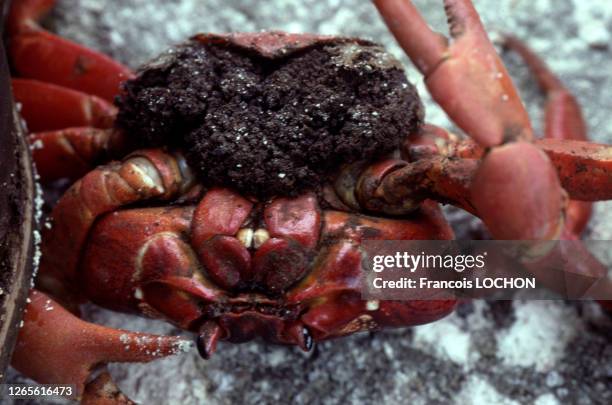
543,352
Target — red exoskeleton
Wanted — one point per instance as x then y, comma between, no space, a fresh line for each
143,235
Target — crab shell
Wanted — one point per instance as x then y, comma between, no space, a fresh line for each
274,44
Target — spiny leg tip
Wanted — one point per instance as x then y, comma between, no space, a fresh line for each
307,342
209,335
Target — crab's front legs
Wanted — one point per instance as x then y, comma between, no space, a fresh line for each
515,190
143,176
584,169
467,78
55,346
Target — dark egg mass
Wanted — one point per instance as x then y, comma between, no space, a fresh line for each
271,123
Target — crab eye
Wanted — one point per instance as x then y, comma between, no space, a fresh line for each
269,124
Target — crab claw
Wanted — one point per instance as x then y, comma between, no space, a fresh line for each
72,348
469,81
515,190
464,75
535,213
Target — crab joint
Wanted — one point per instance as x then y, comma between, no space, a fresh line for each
142,174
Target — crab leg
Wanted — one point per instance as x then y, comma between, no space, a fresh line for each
56,347
72,152
469,81
47,107
563,114
443,169
437,177
584,168
40,55
563,120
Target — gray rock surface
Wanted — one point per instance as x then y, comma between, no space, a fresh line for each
543,352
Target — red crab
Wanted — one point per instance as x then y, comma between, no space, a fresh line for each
192,260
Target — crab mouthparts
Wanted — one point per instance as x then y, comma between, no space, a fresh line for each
241,323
